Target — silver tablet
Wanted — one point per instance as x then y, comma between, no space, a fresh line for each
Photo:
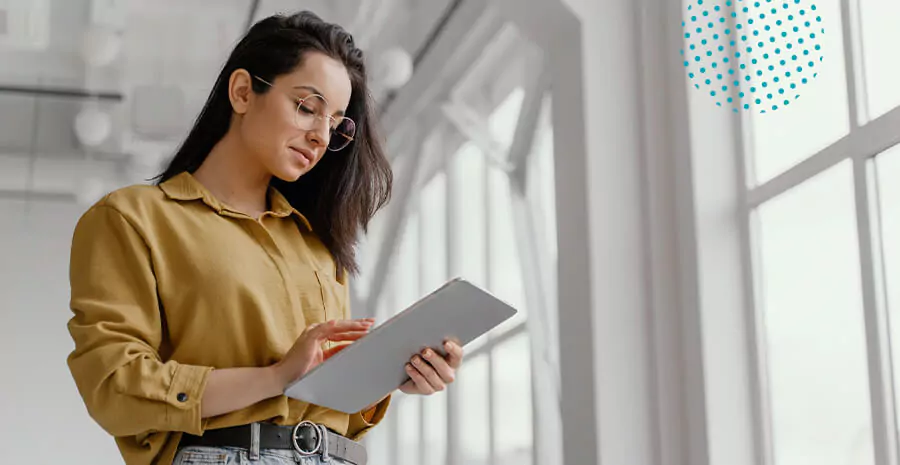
373,366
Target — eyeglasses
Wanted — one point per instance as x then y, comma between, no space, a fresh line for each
311,112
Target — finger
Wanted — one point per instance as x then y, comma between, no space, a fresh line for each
422,384
324,330
440,365
346,336
428,372
454,353
409,387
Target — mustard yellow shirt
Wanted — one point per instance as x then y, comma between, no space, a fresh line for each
168,283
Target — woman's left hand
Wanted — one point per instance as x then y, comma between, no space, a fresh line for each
429,372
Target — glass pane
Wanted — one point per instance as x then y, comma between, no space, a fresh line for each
541,181
888,168
434,436
408,418
512,402
474,412
785,137
406,266
433,231
879,34
814,324
468,180
505,267
502,121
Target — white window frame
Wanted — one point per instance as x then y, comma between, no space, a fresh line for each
722,275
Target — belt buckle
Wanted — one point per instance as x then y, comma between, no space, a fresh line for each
295,437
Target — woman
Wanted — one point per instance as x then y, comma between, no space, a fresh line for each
198,300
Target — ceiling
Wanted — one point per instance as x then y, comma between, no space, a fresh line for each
170,53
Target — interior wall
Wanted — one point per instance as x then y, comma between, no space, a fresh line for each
44,419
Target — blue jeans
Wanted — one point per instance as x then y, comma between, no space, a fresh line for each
234,456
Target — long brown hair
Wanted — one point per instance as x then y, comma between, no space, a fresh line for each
344,191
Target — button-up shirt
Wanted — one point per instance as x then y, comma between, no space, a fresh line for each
169,283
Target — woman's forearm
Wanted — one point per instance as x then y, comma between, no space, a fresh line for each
231,389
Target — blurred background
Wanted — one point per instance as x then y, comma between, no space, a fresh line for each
695,286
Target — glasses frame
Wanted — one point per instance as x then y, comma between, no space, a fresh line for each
331,132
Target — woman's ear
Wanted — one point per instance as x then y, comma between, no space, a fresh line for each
240,89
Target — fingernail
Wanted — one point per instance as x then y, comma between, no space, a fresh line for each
427,353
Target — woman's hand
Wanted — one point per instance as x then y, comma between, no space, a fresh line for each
307,350
429,372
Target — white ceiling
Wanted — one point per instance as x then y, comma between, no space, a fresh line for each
171,53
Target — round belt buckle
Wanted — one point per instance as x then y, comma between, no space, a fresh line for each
306,427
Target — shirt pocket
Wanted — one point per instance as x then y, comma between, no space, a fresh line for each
334,296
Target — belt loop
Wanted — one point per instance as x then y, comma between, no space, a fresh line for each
254,441
324,447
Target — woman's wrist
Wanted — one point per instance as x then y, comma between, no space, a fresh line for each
275,380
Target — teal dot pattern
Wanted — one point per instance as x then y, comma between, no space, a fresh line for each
767,50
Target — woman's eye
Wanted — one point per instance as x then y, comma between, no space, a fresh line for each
307,110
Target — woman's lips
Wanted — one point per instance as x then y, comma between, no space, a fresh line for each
303,154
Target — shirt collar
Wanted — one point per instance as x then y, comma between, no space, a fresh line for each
185,187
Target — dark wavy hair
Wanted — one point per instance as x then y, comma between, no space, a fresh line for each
344,191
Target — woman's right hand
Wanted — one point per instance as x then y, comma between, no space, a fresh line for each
307,351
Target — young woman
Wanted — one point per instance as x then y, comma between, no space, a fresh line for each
196,301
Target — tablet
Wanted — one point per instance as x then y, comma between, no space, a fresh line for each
374,366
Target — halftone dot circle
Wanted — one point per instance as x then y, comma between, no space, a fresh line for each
779,21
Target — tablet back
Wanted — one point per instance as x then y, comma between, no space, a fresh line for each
373,366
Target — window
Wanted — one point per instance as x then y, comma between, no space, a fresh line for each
888,172
783,138
882,70
466,218
813,247
814,323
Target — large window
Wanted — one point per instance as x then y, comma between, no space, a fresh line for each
480,208
823,209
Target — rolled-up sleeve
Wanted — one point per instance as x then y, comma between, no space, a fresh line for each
117,328
362,422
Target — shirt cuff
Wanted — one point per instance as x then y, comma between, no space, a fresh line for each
360,425
183,399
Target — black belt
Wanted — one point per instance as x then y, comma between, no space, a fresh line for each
306,438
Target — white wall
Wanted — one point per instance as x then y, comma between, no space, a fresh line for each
43,417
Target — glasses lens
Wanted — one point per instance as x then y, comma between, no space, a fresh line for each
308,112
312,110
343,134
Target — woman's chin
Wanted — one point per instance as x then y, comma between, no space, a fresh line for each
290,174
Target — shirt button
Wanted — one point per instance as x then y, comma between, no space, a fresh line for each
182,397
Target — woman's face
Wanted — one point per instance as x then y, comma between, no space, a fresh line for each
269,125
